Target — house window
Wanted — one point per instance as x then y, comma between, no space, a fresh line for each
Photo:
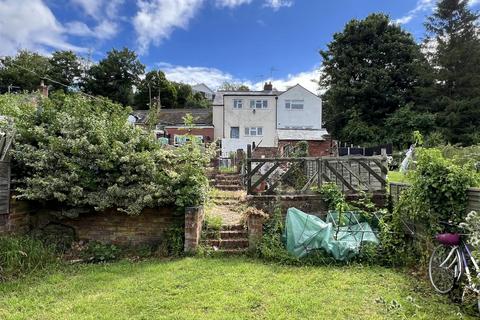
294,104
237,103
258,104
253,131
234,132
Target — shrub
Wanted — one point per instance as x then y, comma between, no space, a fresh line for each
212,225
97,252
173,243
79,151
20,256
437,194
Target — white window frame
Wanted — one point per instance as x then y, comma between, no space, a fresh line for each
294,104
237,103
258,104
253,131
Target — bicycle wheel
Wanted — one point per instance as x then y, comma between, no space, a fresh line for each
445,268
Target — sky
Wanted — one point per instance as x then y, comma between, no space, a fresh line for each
202,41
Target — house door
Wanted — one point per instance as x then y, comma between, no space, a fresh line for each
234,132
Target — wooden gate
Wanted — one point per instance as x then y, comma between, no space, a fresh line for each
266,175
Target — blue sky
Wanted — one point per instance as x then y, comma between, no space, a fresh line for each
207,41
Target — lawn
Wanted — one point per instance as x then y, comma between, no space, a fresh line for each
229,288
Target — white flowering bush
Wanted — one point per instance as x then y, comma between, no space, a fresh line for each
79,152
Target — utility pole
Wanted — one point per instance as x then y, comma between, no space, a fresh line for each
159,100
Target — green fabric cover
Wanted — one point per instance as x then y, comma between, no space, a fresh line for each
306,232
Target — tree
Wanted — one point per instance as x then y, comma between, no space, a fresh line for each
23,71
155,82
115,76
456,59
371,69
65,68
232,86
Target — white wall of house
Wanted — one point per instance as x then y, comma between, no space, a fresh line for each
294,117
242,116
218,121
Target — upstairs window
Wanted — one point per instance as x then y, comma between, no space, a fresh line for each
294,104
237,103
258,104
253,131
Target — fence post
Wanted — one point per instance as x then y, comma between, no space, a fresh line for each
249,168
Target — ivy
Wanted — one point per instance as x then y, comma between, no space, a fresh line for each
80,152
437,194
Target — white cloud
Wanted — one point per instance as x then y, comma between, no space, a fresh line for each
421,6
277,4
32,27
231,3
214,78
104,12
91,7
156,19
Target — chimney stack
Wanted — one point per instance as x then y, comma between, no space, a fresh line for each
268,86
43,89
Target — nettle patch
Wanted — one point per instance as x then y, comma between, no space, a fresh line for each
82,152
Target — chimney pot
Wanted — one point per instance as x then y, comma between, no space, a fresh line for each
268,86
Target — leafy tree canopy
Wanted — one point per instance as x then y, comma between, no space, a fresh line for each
453,34
13,72
64,68
115,76
371,69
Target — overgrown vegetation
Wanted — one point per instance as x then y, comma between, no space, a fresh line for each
79,152
437,194
22,255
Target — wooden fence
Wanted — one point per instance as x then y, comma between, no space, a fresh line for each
473,194
5,144
351,174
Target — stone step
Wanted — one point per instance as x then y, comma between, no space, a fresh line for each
227,201
227,187
228,243
232,251
233,234
229,227
228,176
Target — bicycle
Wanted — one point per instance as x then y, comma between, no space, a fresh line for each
449,262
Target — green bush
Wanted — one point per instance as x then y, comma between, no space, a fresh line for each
437,194
212,225
78,151
20,256
98,252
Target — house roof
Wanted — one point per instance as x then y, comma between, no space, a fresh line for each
174,117
202,87
218,101
301,134
141,116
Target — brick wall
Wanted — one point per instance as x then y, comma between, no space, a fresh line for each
315,148
148,227
108,226
267,152
207,133
309,203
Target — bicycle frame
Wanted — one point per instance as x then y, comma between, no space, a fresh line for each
465,251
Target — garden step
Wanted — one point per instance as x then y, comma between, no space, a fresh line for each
228,243
233,251
233,234
228,187
227,201
233,227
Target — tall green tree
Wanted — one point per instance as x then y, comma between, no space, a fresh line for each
453,34
370,70
65,68
115,76
154,84
14,71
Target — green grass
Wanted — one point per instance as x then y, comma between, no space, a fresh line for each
396,176
235,288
